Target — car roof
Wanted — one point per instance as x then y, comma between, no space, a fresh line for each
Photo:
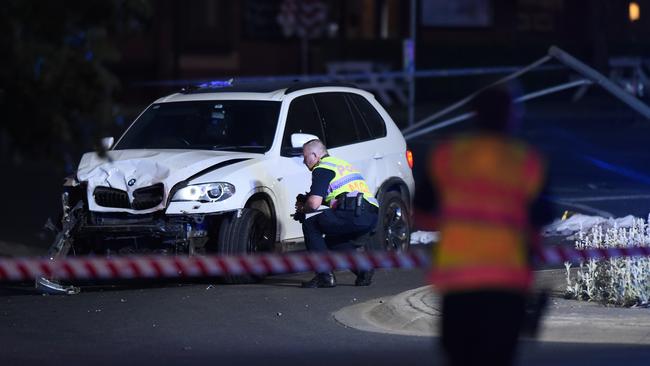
252,91
265,87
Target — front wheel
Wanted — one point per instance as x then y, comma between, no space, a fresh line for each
393,226
245,232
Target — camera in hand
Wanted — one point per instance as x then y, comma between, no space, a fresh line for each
301,198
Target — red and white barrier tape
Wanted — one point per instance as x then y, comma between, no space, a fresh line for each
558,255
71,268
85,268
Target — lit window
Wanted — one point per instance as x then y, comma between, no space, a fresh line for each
634,11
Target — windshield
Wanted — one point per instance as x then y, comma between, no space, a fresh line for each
233,125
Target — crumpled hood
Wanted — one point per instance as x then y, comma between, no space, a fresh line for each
129,170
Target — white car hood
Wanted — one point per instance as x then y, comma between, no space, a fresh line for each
129,170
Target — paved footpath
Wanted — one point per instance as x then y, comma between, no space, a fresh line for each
417,312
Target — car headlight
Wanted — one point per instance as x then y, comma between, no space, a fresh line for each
208,192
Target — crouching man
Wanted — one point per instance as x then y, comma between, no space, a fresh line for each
353,209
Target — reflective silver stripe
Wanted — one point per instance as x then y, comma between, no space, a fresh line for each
328,164
345,180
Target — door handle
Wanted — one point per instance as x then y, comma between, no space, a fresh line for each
378,156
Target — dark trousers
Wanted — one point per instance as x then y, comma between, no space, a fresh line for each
482,327
340,228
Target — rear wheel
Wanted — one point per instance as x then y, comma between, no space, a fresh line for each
245,232
393,226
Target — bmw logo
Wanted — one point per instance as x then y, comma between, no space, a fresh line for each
131,182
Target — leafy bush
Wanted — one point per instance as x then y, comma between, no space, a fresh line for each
56,83
623,281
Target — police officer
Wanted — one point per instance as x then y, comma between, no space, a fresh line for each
353,209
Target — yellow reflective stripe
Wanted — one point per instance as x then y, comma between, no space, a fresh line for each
346,179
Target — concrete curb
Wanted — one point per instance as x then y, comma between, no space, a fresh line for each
416,313
401,314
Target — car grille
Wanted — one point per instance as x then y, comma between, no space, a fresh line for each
143,198
148,197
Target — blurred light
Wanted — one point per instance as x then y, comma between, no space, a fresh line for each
566,215
216,84
626,172
409,158
634,11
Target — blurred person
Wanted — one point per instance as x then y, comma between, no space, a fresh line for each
486,195
352,213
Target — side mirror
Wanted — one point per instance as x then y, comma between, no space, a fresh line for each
107,142
299,139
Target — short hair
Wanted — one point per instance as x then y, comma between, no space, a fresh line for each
315,145
493,108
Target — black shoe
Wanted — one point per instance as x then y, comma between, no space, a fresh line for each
364,278
326,279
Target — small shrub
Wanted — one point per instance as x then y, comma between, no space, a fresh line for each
623,281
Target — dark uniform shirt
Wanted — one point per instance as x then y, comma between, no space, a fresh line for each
320,181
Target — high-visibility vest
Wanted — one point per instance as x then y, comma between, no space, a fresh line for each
347,179
486,184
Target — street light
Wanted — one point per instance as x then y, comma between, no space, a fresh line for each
634,11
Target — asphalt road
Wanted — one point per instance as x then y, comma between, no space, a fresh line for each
272,323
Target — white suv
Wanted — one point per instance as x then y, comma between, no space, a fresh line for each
217,169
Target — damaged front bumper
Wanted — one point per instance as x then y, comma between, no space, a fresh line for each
83,232
118,233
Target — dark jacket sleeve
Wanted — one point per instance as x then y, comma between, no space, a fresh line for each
320,181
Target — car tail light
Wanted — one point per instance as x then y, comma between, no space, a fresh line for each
409,158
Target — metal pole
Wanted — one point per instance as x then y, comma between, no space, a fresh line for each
601,80
471,96
437,126
553,89
411,117
523,98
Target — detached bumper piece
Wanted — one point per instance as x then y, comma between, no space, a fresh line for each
54,288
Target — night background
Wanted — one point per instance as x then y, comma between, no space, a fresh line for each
73,72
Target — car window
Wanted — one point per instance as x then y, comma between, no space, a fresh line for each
337,119
373,119
233,125
302,118
360,125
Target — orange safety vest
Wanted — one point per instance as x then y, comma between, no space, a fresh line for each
485,185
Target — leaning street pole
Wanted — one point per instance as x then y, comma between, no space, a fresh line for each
410,62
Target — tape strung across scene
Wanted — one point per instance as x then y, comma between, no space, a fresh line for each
132,267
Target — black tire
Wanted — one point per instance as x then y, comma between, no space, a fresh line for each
245,232
393,225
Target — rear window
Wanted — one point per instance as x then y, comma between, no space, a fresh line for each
373,120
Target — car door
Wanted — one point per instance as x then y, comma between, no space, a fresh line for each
302,117
347,135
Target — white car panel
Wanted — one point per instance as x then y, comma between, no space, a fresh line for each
279,177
